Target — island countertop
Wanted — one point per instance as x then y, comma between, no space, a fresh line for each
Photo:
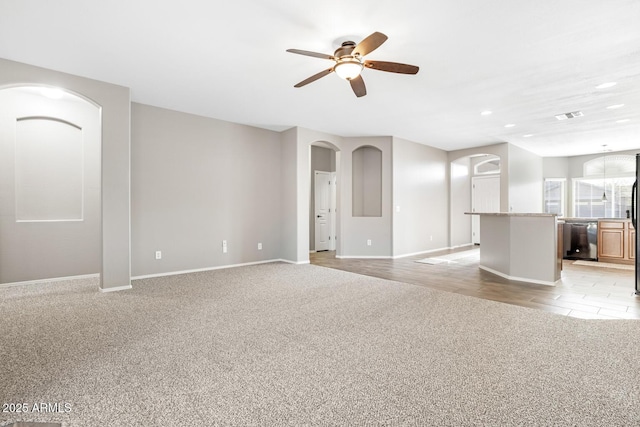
520,246
510,214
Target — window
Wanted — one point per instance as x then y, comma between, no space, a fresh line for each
587,197
554,190
488,166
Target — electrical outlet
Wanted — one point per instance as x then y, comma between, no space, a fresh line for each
158,254
224,246
431,238
259,246
368,242
397,208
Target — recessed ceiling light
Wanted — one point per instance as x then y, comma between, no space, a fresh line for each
623,120
613,107
529,135
486,113
606,85
510,125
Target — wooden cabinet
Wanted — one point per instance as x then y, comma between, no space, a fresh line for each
616,241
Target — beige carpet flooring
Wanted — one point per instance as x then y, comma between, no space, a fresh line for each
280,344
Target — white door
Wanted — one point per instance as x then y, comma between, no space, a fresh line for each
322,210
485,197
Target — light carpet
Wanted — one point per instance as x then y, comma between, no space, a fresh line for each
279,344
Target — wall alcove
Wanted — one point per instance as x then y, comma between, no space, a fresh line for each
367,182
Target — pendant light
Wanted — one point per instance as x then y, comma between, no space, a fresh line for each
604,174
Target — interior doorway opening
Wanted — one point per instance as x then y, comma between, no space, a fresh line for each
323,200
475,182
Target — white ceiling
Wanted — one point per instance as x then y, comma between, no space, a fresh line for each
526,61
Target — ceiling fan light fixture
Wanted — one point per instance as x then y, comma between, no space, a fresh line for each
348,68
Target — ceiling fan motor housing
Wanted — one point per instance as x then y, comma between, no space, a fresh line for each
344,50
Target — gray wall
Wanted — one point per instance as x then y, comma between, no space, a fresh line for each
115,103
290,193
197,181
420,192
357,230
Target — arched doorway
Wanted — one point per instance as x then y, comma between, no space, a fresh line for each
475,182
323,200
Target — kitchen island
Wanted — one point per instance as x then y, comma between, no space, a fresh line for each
520,246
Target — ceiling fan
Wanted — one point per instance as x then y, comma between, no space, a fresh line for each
349,62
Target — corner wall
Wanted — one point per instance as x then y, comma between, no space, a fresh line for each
115,103
420,196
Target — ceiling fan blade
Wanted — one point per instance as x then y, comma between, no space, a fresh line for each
357,84
369,44
393,67
309,53
315,77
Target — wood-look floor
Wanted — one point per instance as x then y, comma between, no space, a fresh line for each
584,291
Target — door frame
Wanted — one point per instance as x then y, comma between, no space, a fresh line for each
475,219
330,222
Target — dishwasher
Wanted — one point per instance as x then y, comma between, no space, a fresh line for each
580,239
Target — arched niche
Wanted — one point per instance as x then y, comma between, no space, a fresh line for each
366,181
50,184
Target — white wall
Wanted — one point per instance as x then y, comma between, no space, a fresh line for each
525,181
197,181
420,192
460,202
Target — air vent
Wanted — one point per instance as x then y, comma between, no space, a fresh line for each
566,116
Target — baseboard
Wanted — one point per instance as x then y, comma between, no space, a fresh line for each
55,279
115,289
199,270
462,246
288,261
517,279
420,253
362,257
404,255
